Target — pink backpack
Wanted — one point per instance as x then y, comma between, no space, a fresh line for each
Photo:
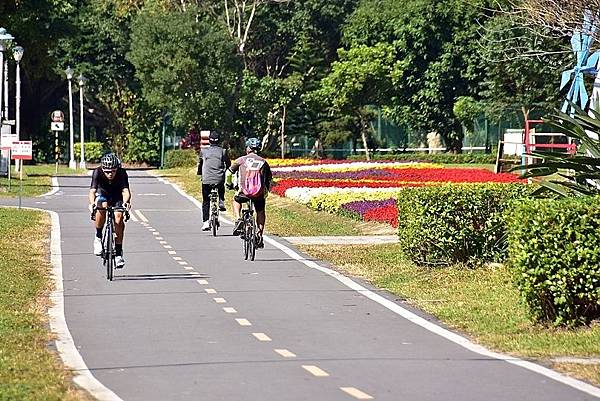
253,186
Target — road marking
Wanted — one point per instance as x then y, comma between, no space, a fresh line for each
229,310
171,252
261,337
315,370
220,300
167,246
410,316
142,223
202,282
188,267
210,291
356,393
155,233
243,322
176,257
151,229
141,216
183,263
285,353
162,242
160,239
151,194
133,218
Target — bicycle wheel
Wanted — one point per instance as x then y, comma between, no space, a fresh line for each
246,239
214,221
252,242
109,250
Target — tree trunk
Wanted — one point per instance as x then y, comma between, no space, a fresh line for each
282,129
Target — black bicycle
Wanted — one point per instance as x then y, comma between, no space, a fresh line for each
214,211
249,230
108,237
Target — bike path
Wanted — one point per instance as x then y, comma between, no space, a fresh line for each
189,319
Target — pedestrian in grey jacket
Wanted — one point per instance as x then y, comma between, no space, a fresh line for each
212,163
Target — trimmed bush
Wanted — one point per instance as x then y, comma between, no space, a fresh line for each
440,158
181,158
555,253
93,151
457,223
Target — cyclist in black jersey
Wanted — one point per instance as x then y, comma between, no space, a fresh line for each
110,187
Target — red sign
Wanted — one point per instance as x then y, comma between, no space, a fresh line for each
22,150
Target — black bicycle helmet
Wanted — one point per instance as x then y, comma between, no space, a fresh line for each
214,137
110,161
253,143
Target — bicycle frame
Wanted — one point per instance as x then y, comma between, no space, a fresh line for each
249,230
214,210
108,237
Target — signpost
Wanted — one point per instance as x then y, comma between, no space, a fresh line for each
21,150
57,125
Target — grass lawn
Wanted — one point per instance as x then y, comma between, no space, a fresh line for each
37,180
28,369
482,303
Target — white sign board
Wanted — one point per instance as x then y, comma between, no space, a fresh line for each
7,138
22,150
57,126
513,142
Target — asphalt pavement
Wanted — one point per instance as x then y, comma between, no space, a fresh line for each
188,319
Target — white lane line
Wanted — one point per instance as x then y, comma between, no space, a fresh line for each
160,239
132,217
188,267
151,229
220,300
356,393
155,233
285,353
177,258
54,188
210,291
141,216
442,332
143,223
167,246
202,282
261,337
243,322
170,252
162,242
58,324
229,310
315,370
183,263
399,310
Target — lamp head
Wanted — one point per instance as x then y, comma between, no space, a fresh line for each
81,79
18,53
69,71
5,37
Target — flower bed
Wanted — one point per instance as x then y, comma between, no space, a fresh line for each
367,190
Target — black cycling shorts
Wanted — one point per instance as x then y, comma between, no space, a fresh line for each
259,203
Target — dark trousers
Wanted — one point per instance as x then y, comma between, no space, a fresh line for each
206,198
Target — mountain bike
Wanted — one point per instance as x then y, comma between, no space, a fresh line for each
214,211
249,231
108,237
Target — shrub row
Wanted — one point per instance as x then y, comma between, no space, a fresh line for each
462,223
93,151
553,249
441,158
180,158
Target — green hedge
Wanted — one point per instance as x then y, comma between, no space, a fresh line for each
180,158
93,151
554,250
456,223
441,158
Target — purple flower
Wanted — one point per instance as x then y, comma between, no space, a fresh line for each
361,207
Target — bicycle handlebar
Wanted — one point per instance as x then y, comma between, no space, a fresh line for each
113,208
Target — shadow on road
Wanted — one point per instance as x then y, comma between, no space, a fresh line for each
167,276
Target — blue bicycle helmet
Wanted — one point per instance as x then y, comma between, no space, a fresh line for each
253,143
110,161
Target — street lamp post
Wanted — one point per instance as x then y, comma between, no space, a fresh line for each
5,39
18,55
72,164
82,80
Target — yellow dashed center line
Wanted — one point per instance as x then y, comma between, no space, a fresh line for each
261,336
285,353
315,370
229,310
356,393
243,322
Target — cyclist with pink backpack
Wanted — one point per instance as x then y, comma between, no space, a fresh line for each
254,181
